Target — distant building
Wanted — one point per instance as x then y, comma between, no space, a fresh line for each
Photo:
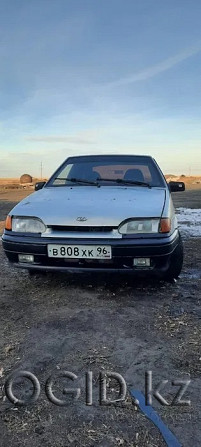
26,179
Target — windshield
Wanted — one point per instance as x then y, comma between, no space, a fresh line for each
108,170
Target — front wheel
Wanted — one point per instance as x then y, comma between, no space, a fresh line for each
176,262
36,272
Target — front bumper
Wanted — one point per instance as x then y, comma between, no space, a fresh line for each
159,249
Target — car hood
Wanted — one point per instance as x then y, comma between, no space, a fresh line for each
107,205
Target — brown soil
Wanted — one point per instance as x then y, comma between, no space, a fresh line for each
94,322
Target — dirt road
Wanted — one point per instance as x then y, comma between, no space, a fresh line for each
85,323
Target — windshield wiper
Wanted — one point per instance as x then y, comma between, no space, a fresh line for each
124,182
78,180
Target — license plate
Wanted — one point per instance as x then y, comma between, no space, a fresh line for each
80,251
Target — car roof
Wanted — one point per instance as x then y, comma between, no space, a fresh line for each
100,156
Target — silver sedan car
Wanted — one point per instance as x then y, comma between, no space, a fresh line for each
98,213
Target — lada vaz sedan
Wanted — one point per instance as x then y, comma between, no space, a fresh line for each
109,213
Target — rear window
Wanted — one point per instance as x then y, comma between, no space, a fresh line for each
108,170
120,171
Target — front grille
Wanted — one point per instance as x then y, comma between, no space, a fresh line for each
82,229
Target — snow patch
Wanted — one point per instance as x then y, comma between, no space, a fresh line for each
189,221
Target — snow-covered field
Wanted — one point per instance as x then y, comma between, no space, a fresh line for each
189,221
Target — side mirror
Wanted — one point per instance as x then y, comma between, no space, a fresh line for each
39,185
176,186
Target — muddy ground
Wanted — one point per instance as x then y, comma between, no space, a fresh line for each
97,323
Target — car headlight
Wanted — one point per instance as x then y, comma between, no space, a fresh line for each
28,225
140,226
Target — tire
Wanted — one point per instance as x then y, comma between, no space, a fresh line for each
36,272
176,262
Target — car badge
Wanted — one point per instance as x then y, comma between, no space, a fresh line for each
81,219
